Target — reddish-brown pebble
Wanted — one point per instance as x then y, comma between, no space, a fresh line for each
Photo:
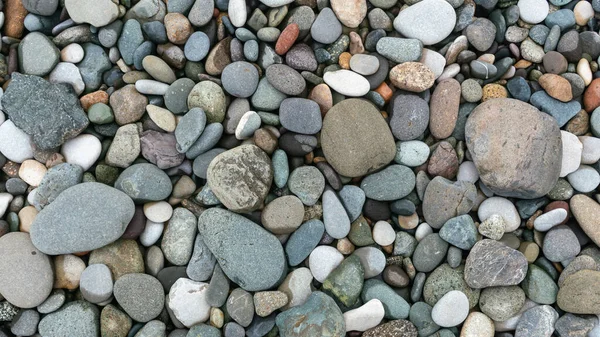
92,98
344,60
556,86
443,110
591,97
580,124
443,161
287,38
178,28
385,91
15,18
322,95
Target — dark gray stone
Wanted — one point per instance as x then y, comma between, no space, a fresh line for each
409,116
491,263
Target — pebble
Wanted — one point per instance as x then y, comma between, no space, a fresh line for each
285,79
300,115
533,11
451,310
412,76
96,283
383,233
140,295
457,198
372,144
283,215
320,311
409,117
326,28
429,21
539,320
365,317
347,83
96,226
187,300
504,208
400,50
491,263
240,79
73,318
135,180
584,179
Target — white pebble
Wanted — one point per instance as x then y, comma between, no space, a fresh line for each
383,233
585,179
187,300
451,310
585,71
372,260
477,325
583,12
82,150
2,117
158,211
32,172
151,233
72,53
237,12
31,196
422,231
347,83
151,87
412,153
5,199
533,11
249,123
323,260
434,61
15,144
68,73
550,219
467,172
365,317
502,207
591,149
449,72
571,149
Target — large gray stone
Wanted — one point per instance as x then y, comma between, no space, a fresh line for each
144,182
249,255
79,318
50,113
82,218
491,263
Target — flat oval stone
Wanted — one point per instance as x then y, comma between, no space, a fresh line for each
144,182
302,242
347,82
300,115
26,275
140,295
82,218
240,79
326,28
430,21
355,138
241,177
227,235
197,46
400,50
77,317
392,183
510,161
285,79
410,116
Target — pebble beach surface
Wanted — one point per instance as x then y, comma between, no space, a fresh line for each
299,168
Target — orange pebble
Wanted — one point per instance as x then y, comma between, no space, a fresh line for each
92,98
344,60
385,91
287,38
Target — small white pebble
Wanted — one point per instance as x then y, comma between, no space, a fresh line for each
151,233
383,233
158,211
32,172
365,317
550,219
422,231
72,53
467,172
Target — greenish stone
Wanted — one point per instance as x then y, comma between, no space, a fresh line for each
548,267
360,233
281,168
345,282
193,69
561,191
88,177
203,330
268,118
539,286
13,221
420,316
444,279
337,48
460,231
100,113
106,174
395,306
319,315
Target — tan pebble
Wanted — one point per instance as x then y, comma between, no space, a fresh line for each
26,216
556,86
322,95
489,58
344,60
345,247
14,23
412,76
350,12
178,28
163,118
580,124
478,324
531,251
266,140
265,302
184,187
583,12
408,222
493,90
584,70
449,72
67,271
92,98
55,159
522,64
32,172
356,44
217,318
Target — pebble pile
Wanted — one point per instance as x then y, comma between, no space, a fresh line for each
300,168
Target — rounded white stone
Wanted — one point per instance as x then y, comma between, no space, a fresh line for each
158,211
2,117
422,231
467,172
585,179
478,325
276,3
365,317
15,144
372,260
502,207
383,233
72,53
68,73
297,286
550,219
96,283
187,300
5,199
430,21
583,12
32,172
364,64
571,149
451,310
585,71
323,260
435,61
533,11
591,149
249,123
347,83
82,150
413,153
151,233
151,87
237,12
